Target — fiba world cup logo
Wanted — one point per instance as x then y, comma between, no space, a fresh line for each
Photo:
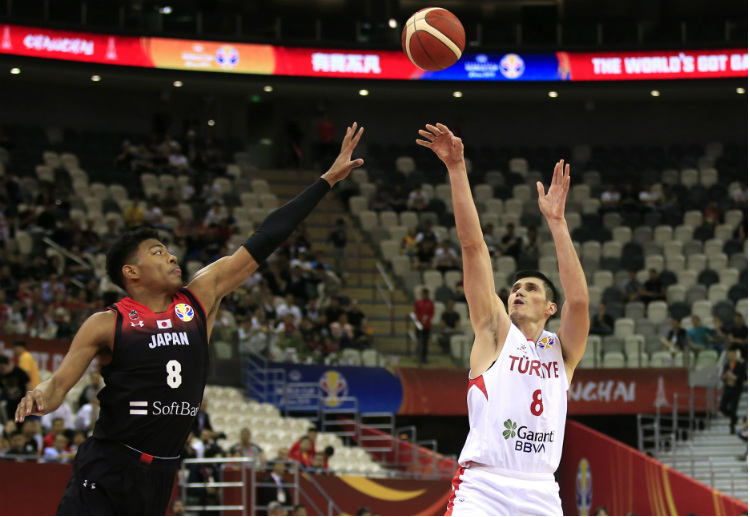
584,489
334,386
184,311
227,56
512,66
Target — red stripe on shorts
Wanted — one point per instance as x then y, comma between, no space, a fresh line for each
454,483
146,458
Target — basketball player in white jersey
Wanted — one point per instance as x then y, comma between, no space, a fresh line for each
520,373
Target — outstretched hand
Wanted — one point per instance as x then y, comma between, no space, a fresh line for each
447,147
344,163
552,205
31,404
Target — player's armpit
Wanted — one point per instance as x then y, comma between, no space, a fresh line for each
484,351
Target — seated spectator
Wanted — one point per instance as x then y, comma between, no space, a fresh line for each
178,507
26,362
246,448
32,432
409,243
511,244
712,214
203,421
18,445
288,307
275,508
450,325
531,248
58,451
427,232
446,258
302,451
343,332
649,199
418,199
300,509
717,338
152,213
380,200
739,195
275,492
676,337
399,198
737,335
631,288
14,383
134,214
92,389
602,324
178,162
610,199
58,428
64,412
86,416
653,288
697,335
425,253
492,241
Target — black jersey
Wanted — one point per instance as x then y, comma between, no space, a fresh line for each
155,381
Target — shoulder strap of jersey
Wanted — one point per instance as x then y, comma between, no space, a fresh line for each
118,324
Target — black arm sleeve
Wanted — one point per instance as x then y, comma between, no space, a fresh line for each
280,223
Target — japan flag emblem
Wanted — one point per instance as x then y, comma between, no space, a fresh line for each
164,324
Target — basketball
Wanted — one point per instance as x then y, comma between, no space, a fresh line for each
433,39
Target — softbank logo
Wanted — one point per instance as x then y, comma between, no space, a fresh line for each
138,404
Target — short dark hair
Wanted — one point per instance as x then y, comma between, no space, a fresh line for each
4,359
125,247
549,287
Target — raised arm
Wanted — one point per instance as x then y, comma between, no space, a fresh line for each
574,320
218,279
488,317
94,336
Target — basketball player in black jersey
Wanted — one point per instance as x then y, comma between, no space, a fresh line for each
153,349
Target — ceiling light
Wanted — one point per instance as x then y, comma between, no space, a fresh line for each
211,123
268,89
392,23
165,10
15,71
177,84
96,78
740,91
552,94
458,94
364,93
655,93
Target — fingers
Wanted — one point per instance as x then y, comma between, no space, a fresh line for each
429,136
444,128
540,188
424,143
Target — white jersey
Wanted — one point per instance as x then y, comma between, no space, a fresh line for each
517,408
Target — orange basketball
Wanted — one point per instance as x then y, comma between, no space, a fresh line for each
433,39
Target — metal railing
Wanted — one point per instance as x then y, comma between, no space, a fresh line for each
265,384
382,284
185,485
412,323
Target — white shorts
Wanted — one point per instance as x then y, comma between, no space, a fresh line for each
479,490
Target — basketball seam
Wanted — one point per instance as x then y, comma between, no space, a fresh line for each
457,24
440,36
424,51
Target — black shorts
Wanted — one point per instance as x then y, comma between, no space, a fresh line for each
111,479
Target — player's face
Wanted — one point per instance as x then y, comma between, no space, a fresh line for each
527,300
157,267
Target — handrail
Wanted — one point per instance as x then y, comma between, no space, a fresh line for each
389,301
411,337
232,484
55,246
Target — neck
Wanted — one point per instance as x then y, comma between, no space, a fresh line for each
531,329
157,302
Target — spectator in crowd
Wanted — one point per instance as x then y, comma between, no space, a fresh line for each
64,412
409,243
418,199
424,310
328,286
275,508
134,214
653,288
531,247
86,416
601,511
428,232
275,492
610,199
178,507
246,448
92,389
737,334
300,509
446,258
58,451
318,463
742,434
650,197
425,252
312,436
304,453
288,307
602,324
337,237
511,244
152,214
28,364
32,432
364,510
676,338
178,162
58,427
733,376
380,200
343,332
450,325
14,383
18,445
631,287
698,334
738,193
203,421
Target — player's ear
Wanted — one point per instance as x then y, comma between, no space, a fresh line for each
551,309
130,271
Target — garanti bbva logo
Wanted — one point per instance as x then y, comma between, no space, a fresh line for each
527,441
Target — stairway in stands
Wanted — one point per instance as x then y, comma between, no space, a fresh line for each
715,450
361,260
